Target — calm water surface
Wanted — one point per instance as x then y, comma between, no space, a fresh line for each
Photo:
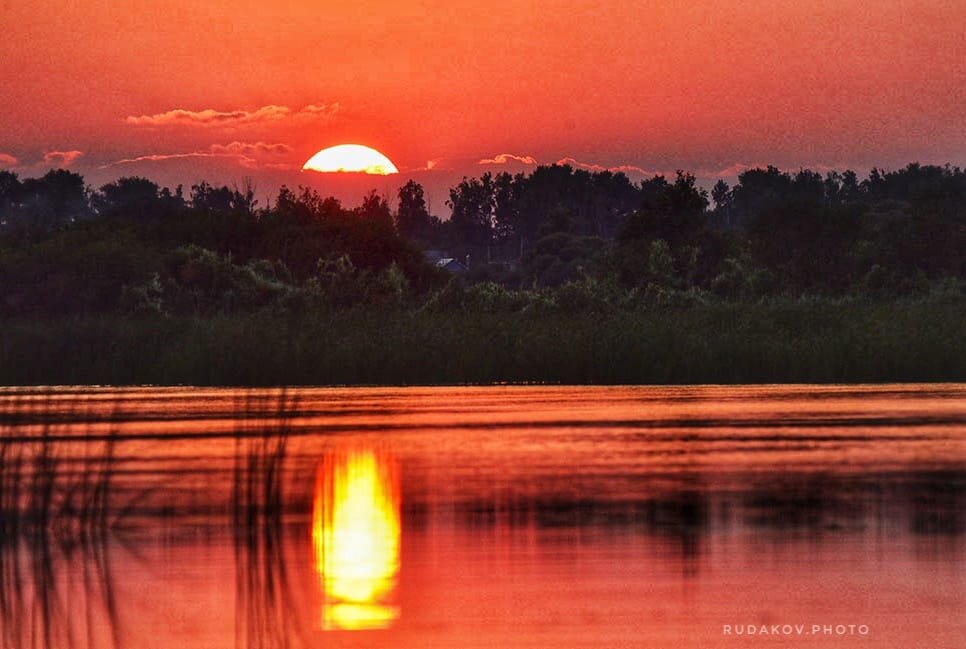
799,516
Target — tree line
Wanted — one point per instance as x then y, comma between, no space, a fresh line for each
132,246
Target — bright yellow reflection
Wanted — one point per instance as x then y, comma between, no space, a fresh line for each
355,535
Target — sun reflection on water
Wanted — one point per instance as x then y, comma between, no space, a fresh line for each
355,537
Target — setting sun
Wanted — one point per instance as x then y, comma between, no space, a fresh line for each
351,158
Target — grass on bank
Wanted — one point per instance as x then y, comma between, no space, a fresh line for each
791,341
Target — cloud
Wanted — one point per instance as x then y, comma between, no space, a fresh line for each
626,169
61,158
209,117
231,118
285,166
250,148
160,157
429,166
243,152
7,160
504,158
326,110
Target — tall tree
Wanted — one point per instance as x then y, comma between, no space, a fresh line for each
472,202
722,197
207,198
506,206
131,197
759,189
413,220
56,198
375,210
673,212
10,194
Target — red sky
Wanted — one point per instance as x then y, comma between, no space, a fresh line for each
183,90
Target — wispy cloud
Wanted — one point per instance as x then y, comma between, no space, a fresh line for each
210,117
429,166
243,152
61,158
325,110
7,160
160,157
284,166
504,158
250,148
588,166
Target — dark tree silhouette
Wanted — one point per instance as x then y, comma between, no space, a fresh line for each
375,210
11,191
145,249
132,197
673,212
413,220
472,202
757,190
506,206
723,199
57,198
205,197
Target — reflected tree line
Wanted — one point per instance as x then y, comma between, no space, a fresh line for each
917,502
563,235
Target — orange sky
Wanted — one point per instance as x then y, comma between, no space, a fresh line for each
651,86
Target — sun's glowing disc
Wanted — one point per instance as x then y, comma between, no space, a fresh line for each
355,535
351,157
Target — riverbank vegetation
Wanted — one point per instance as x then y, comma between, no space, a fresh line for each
561,275
796,341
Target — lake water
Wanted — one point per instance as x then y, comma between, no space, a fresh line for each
518,516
